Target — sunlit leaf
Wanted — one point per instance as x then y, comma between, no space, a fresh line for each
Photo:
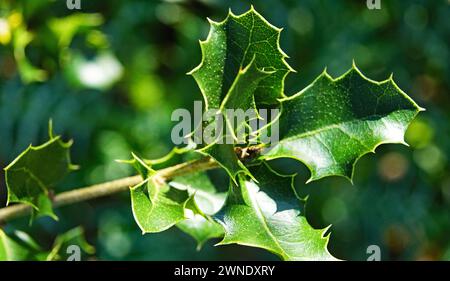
333,122
230,47
200,226
267,214
242,65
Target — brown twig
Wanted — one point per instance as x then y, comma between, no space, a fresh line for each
108,188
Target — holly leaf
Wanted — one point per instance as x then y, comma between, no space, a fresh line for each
157,206
267,214
201,229
208,201
242,65
187,201
231,46
333,122
240,97
34,173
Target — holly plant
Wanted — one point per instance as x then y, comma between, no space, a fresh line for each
327,126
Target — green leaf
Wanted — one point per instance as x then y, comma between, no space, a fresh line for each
267,214
201,229
207,198
242,65
240,96
208,201
35,172
11,250
230,47
157,206
334,122
186,201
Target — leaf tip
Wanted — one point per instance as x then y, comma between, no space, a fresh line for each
325,73
403,142
325,231
354,64
391,77
311,179
230,13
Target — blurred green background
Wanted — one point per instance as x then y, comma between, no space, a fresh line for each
111,73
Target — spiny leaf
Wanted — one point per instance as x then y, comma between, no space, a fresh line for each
35,172
157,206
267,215
200,226
333,122
242,65
231,45
186,201
240,96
